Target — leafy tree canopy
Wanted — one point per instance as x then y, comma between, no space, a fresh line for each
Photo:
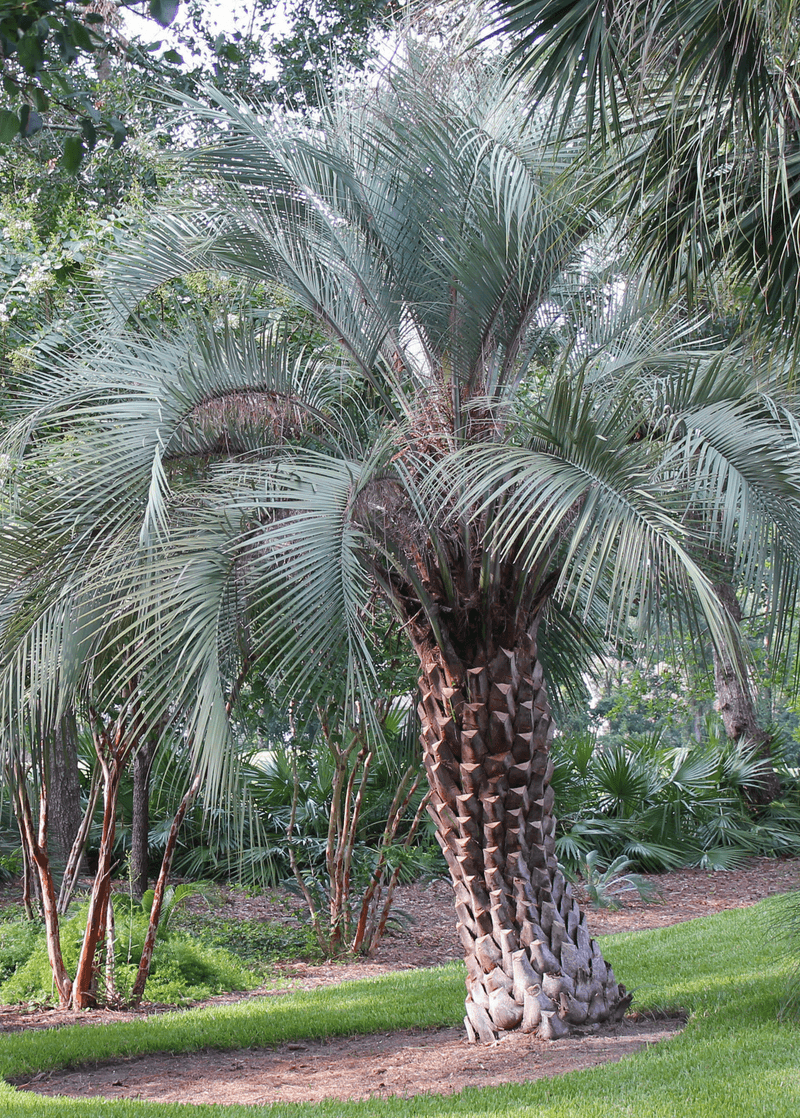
320,31
53,51
44,48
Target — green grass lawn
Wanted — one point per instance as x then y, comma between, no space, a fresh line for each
733,1060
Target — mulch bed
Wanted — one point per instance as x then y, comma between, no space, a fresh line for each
409,1062
406,1063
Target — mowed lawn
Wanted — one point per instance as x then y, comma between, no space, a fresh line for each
735,1059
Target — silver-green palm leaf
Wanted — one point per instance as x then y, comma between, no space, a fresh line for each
432,446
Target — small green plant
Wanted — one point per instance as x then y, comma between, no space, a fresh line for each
255,941
10,866
18,938
173,896
183,969
604,886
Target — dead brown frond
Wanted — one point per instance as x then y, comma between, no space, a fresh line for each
232,424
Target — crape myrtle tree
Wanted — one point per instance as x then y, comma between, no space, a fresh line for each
66,649
438,455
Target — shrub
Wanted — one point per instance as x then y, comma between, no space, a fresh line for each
661,806
182,968
18,937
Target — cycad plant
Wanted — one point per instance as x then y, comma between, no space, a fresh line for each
436,455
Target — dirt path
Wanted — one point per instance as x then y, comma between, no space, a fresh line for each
404,1063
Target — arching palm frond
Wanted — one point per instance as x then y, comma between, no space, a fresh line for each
700,101
162,402
267,497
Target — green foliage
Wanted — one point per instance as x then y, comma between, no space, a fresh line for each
272,790
10,849
245,840
249,845
255,941
173,896
605,884
54,226
290,51
689,109
44,48
164,11
663,697
10,866
661,806
323,32
182,969
673,695
18,940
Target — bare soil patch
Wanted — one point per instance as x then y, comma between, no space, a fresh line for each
404,1063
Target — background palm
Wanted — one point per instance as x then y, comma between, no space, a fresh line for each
691,111
428,456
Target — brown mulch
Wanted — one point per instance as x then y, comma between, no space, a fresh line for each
404,1063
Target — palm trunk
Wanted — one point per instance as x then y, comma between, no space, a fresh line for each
63,791
530,960
736,706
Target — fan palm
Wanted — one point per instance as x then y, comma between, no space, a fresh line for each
428,457
702,101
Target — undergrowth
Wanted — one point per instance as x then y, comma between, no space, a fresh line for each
183,968
256,941
198,953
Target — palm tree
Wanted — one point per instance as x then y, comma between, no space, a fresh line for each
692,111
695,106
436,455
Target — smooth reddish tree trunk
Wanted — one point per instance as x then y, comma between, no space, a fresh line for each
36,842
158,894
113,745
83,991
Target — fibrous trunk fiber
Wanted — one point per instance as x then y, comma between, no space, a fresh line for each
531,963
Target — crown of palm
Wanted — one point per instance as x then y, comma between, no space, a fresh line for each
424,451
